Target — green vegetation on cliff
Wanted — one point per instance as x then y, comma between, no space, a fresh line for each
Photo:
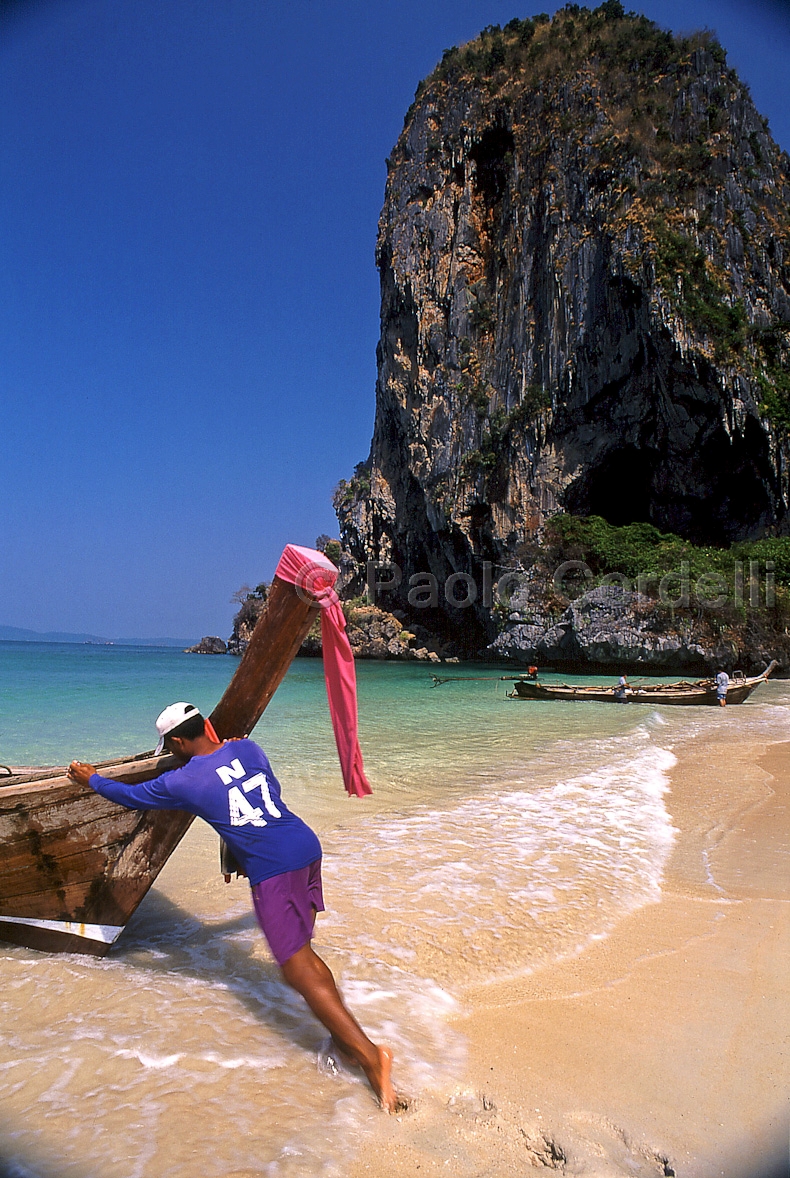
641,550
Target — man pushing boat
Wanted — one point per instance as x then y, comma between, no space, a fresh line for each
230,784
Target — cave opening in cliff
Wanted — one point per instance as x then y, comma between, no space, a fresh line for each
620,488
717,494
493,154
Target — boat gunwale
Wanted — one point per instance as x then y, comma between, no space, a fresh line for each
25,784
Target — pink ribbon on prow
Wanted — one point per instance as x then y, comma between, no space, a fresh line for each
314,576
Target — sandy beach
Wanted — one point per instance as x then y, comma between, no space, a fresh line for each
568,922
658,1050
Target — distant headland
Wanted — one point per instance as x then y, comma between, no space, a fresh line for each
19,634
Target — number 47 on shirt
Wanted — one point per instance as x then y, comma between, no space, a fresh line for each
241,811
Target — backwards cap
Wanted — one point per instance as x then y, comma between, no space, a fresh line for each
171,718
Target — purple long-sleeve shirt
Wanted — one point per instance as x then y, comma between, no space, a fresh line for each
236,792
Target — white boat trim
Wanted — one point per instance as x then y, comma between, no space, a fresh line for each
107,934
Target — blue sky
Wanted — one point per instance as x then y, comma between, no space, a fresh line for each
189,194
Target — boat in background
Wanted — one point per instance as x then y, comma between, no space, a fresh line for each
703,691
73,865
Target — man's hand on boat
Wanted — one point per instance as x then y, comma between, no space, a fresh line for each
80,772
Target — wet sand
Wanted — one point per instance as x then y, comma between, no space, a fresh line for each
661,1049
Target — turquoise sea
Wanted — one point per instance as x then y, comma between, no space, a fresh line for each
501,835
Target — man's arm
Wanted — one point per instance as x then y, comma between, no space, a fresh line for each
144,795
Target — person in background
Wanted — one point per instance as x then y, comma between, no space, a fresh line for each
621,690
230,784
722,683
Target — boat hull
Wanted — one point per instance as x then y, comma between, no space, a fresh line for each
73,865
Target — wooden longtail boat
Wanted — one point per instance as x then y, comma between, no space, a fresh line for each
701,692
74,866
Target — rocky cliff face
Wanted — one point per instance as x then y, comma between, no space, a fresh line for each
584,254
612,628
372,633
211,644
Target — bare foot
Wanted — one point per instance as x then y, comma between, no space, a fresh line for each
381,1080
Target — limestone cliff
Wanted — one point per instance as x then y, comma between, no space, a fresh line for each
584,255
375,634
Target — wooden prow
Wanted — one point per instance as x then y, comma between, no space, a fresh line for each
280,631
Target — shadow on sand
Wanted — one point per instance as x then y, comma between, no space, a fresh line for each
162,937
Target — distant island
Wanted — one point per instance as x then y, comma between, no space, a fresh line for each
17,634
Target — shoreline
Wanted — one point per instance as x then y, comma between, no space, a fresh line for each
657,1050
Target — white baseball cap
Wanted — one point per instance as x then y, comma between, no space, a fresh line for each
173,717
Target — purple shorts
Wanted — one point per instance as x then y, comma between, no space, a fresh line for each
286,906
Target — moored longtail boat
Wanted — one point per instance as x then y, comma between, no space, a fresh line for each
74,866
703,691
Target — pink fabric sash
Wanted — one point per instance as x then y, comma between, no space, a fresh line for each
314,576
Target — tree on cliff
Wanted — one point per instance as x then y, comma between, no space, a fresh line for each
251,606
